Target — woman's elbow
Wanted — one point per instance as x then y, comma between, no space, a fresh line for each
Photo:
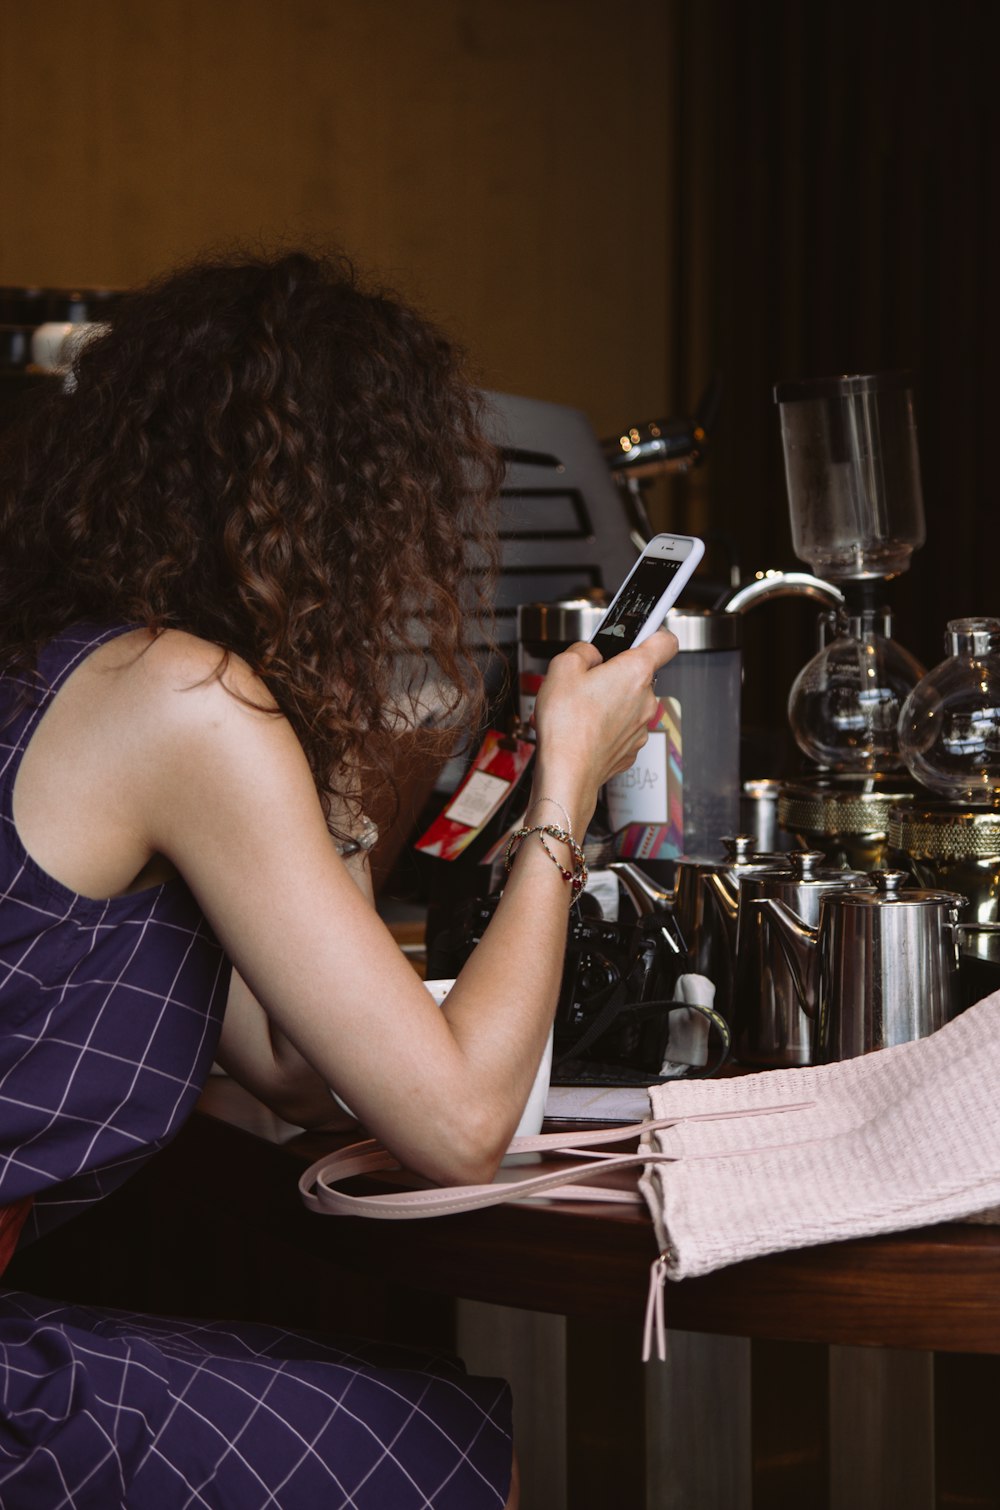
470,1153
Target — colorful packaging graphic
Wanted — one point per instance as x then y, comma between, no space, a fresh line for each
501,762
646,802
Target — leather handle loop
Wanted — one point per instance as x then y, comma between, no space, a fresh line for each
317,1185
318,1182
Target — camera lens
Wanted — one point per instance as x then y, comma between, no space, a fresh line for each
596,975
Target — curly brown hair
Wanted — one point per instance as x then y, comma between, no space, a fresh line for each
267,454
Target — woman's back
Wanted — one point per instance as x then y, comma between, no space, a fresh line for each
110,1009
281,481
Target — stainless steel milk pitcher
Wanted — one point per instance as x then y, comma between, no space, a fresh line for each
774,996
704,903
881,967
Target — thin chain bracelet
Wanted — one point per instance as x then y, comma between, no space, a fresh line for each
577,877
552,800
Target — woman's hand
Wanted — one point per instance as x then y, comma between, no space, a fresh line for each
593,716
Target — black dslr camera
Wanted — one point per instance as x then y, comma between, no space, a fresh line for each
612,1024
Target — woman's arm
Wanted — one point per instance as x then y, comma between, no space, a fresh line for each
226,794
258,1055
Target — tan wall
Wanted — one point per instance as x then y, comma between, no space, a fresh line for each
503,162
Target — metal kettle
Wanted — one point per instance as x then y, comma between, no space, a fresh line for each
772,1025
881,967
704,903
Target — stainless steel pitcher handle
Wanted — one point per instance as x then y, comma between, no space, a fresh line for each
797,941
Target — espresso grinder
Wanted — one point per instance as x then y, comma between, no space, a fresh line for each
856,509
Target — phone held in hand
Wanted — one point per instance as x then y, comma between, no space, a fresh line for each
640,605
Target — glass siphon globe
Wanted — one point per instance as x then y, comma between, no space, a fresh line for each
844,704
949,726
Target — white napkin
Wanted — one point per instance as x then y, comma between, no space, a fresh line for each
689,1030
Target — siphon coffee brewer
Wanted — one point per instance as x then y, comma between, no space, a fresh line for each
856,511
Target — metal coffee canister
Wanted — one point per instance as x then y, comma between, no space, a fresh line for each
543,630
759,799
682,795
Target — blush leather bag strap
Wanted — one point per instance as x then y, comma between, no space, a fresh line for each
318,1185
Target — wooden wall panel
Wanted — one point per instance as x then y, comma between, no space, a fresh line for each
504,164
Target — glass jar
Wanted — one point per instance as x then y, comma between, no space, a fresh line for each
853,473
949,725
844,704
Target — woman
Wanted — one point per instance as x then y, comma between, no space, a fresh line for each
262,492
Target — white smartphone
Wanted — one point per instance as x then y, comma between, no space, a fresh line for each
640,605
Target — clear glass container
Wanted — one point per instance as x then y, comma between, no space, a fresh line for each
844,704
949,725
853,473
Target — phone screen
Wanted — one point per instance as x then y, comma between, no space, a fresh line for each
634,604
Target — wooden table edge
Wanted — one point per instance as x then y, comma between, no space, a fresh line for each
937,1288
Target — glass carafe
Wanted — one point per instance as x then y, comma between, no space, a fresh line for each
844,704
949,725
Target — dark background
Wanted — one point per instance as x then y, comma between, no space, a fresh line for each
837,211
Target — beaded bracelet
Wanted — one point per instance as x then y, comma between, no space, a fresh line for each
577,877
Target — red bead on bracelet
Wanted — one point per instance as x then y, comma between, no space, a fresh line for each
577,877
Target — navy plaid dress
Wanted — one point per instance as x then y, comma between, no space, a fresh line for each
110,1014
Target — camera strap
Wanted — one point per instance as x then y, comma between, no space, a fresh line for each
618,1006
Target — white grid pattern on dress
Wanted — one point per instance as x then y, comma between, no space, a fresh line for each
109,1014
109,1009
203,1414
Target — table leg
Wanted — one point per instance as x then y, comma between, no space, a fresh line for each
698,1424
529,1350
790,1426
606,1416
881,1429
967,1462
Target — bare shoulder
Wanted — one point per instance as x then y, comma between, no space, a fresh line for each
175,686
150,733
160,665
197,721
